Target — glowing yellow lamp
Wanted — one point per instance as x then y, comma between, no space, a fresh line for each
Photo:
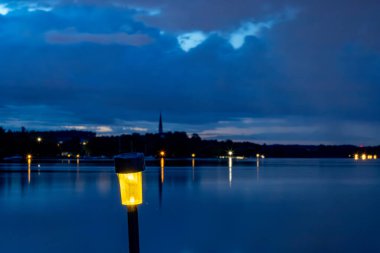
364,157
131,188
356,157
192,155
375,157
258,155
29,156
162,153
78,155
369,157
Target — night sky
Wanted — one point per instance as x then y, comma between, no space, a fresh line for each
273,71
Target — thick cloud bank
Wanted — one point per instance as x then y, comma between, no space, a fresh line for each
268,71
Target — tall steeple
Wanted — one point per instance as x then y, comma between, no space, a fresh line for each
160,128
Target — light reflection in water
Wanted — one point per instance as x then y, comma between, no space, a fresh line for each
261,201
193,167
258,168
103,184
230,170
161,178
162,163
29,170
79,183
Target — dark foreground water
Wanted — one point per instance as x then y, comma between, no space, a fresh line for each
285,205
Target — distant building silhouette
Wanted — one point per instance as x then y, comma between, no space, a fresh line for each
160,127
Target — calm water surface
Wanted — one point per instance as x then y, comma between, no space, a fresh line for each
285,205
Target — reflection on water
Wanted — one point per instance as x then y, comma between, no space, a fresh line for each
315,205
230,170
258,168
161,179
29,170
162,163
193,166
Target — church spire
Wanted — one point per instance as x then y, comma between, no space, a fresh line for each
160,128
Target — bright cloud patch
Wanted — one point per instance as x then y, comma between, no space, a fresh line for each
98,129
103,129
31,7
237,38
4,10
149,12
34,7
136,129
79,128
191,40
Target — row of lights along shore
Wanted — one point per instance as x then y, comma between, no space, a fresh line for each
230,154
365,157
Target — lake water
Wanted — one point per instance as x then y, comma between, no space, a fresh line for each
284,205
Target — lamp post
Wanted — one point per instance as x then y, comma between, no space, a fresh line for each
129,169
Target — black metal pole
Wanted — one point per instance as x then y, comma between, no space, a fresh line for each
133,229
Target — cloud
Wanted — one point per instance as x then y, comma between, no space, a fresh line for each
103,129
147,11
22,5
191,40
317,69
4,10
35,7
79,128
136,129
74,37
237,38
188,41
97,129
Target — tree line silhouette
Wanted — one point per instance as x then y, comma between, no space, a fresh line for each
55,144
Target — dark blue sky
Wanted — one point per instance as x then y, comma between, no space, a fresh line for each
275,71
